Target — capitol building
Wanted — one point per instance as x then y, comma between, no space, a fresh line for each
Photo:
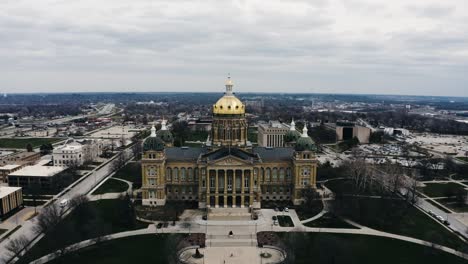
227,171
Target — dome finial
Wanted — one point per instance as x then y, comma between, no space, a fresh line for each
293,125
305,130
153,131
229,85
163,124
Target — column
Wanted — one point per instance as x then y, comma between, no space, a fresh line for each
216,190
242,189
207,179
225,188
233,189
251,187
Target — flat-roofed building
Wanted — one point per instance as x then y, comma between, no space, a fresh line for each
25,157
271,134
10,199
44,177
7,169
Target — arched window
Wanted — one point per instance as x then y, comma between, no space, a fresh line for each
275,174
267,174
182,174
281,174
190,174
168,174
196,174
288,174
175,174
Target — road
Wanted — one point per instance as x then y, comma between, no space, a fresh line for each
83,187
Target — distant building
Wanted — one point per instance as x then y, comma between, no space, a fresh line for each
7,169
77,152
44,177
271,134
10,199
349,130
26,158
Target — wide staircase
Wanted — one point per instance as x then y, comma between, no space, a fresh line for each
239,240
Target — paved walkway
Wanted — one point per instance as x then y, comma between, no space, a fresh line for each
213,230
104,196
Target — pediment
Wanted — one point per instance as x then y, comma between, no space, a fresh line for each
230,160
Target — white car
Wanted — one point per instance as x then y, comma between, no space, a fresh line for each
63,203
275,222
440,218
286,209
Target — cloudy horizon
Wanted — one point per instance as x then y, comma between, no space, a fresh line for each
416,47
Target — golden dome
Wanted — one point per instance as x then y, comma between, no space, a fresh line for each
229,105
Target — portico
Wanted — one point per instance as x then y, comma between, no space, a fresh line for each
230,187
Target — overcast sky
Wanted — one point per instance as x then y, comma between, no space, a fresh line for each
327,46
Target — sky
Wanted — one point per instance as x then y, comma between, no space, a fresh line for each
415,47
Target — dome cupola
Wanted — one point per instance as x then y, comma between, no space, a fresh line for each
164,133
153,142
292,135
305,142
229,104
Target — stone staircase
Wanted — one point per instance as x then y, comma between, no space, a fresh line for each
241,240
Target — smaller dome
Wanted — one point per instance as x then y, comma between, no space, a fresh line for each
153,143
292,136
165,135
305,143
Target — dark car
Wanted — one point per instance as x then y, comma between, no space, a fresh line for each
159,225
274,218
205,217
165,224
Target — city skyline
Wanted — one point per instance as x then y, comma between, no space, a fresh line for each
363,47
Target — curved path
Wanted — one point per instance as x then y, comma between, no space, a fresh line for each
317,216
179,228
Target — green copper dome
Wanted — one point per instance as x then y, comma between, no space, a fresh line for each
153,143
292,136
165,135
305,143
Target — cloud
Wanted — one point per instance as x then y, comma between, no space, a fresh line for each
293,45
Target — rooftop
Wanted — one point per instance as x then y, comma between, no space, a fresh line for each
38,171
4,191
10,167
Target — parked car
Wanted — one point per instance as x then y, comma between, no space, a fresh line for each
431,212
286,209
446,222
440,218
274,218
276,209
159,225
165,224
275,222
205,217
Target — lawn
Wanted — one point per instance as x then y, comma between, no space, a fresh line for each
91,220
441,189
453,204
160,249
130,172
346,186
111,186
285,221
21,143
329,220
398,217
324,248
306,212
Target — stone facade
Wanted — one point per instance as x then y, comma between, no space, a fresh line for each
226,173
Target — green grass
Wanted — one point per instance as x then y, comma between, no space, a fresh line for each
329,220
91,220
453,204
285,221
130,172
21,143
306,212
398,217
324,248
111,186
441,189
462,158
160,249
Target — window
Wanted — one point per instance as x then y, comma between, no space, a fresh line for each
175,174
275,174
246,182
168,174
305,182
190,174
229,183
267,174
212,182
182,174
281,174
305,171
151,171
152,182
288,174
203,181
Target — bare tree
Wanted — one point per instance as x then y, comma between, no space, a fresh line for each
48,218
15,246
78,200
394,177
360,173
